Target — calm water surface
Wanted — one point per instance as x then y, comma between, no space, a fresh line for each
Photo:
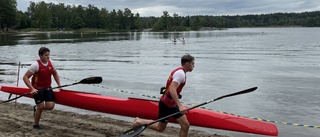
282,62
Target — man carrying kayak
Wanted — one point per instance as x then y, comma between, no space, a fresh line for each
41,72
169,102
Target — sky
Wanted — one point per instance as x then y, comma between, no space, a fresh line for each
155,8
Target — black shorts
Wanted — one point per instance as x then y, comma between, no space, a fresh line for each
43,95
164,110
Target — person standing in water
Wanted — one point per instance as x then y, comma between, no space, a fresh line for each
183,41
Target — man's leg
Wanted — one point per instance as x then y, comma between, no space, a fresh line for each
38,112
49,100
159,126
184,123
49,105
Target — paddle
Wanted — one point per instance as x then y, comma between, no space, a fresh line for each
90,80
137,130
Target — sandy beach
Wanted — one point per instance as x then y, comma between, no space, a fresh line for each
17,122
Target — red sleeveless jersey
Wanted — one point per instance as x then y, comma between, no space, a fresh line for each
166,98
42,78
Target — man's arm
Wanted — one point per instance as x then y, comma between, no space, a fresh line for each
56,77
173,93
26,80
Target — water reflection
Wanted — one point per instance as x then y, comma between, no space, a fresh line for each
69,37
8,39
57,37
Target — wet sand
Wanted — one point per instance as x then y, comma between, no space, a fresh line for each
17,122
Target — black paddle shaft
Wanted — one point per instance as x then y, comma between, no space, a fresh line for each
137,130
90,80
26,94
209,101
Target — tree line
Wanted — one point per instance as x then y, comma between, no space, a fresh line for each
51,16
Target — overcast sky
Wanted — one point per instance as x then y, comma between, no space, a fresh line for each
192,7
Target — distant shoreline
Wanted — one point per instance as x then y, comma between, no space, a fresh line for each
92,31
86,31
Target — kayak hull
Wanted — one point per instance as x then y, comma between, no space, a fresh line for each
148,109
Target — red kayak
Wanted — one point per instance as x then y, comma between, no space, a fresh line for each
148,109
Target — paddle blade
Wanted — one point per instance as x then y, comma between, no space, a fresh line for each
237,93
91,80
134,131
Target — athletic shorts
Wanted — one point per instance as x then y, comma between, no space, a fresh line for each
164,110
44,95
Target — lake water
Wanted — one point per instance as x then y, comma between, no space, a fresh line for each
282,62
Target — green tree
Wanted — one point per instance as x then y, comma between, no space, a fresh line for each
113,19
8,10
81,12
60,15
176,20
22,20
40,15
76,22
92,14
163,23
195,23
203,22
128,20
138,25
105,19
186,22
121,20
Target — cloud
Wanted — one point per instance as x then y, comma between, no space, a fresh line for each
155,10
193,7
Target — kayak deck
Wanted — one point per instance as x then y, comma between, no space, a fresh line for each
148,109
